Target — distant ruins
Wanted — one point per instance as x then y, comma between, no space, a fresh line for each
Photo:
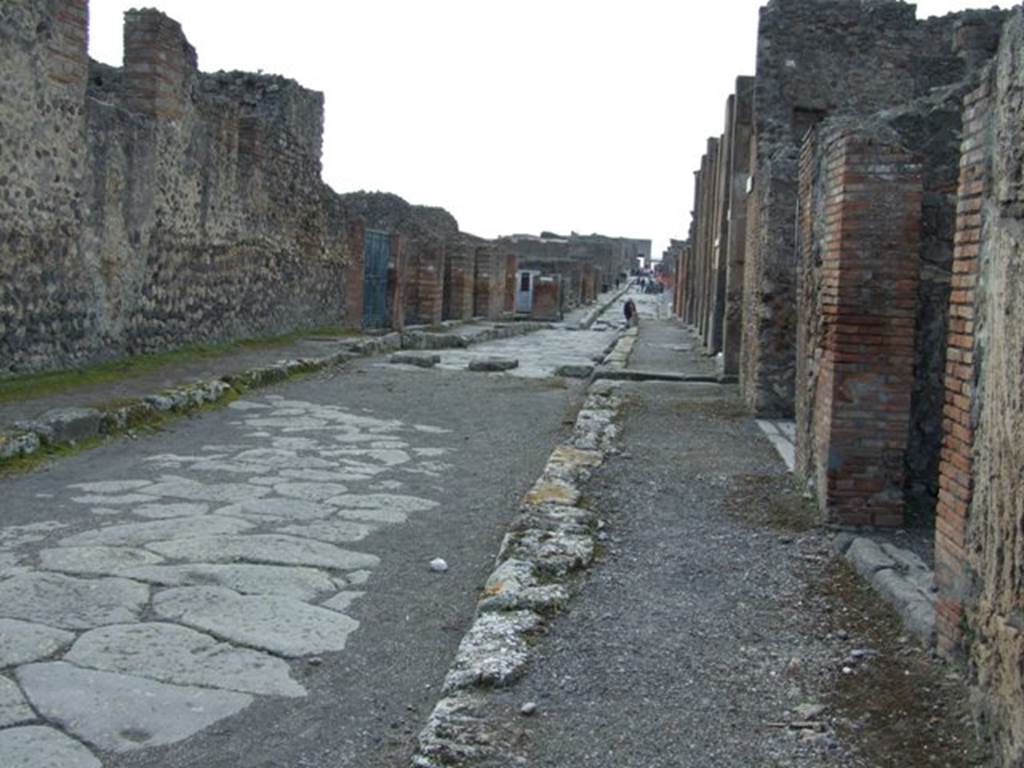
153,205
854,259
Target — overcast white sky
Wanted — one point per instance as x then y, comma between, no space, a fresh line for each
584,115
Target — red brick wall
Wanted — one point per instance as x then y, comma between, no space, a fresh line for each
424,289
956,466
458,283
547,299
509,269
158,63
868,297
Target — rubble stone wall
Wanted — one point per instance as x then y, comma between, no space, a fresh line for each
153,206
980,568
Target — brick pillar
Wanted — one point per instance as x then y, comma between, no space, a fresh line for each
957,464
159,64
458,282
868,299
736,226
68,60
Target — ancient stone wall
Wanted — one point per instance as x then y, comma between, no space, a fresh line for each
980,568
815,59
160,206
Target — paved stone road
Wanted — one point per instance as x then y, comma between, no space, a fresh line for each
250,588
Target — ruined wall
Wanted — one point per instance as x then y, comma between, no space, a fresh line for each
829,57
979,545
174,207
430,237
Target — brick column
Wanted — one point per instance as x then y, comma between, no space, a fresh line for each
158,64
957,464
68,46
868,298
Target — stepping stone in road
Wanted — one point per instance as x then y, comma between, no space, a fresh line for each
493,364
419,359
574,371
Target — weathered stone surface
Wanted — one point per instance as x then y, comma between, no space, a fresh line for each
552,552
95,560
40,747
163,511
342,601
22,642
279,509
419,359
553,492
916,610
298,582
310,491
121,713
182,656
457,733
275,624
513,587
494,651
264,548
136,534
64,425
14,710
867,557
493,364
70,603
193,490
333,531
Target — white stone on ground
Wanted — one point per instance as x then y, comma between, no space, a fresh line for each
182,656
136,534
95,560
22,642
14,710
70,603
121,713
275,624
40,747
273,549
289,581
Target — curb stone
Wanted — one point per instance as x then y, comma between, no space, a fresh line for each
69,426
592,316
550,539
899,576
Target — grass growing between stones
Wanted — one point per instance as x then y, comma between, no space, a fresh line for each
902,708
23,387
772,500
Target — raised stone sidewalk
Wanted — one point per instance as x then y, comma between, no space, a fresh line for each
71,417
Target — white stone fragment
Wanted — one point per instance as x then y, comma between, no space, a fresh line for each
439,565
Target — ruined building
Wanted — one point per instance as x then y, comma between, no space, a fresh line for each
152,205
859,271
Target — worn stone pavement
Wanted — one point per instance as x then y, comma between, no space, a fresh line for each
250,587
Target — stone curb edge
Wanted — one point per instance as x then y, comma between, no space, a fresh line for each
551,538
66,427
595,313
900,577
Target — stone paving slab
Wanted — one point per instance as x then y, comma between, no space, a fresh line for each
40,747
121,713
